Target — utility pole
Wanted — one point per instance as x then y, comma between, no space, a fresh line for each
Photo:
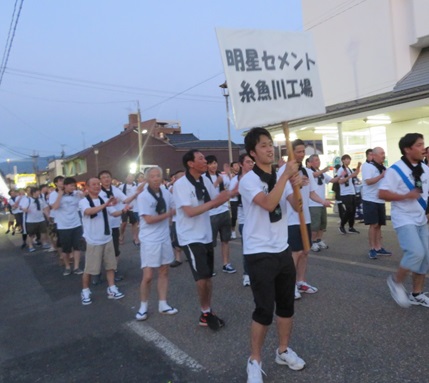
225,92
35,158
139,130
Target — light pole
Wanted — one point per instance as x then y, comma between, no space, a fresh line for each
139,130
225,92
96,161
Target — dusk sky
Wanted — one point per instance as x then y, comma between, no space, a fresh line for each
77,68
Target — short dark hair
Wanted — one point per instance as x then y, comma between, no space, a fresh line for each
69,181
33,190
232,163
297,142
58,178
408,141
345,157
189,156
252,138
103,172
368,151
211,158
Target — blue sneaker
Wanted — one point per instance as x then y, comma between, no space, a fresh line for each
372,254
383,251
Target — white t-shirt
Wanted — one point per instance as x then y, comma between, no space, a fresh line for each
67,215
240,212
346,190
33,215
155,232
115,222
370,192
93,228
260,235
51,200
405,212
12,202
320,189
224,207
130,189
191,229
293,216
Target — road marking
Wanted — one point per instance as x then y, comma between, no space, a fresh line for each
170,349
352,263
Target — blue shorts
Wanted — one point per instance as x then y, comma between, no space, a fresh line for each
414,241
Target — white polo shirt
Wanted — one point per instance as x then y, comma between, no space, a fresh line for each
33,215
128,190
240,212
224,207
191,229
12,202
260,235
115,222
93,228
320,189
370,192
51,200
346,190
155,232
67,215
408,211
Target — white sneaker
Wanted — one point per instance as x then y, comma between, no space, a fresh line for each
297,293
420,299
398,292
290,359
315,247
114,293
254,372
85,297
304,287
322,245
233,235
246,280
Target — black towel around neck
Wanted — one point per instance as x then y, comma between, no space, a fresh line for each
320,178
200,190
109,192
221,185
270,179
380,167
417,171
105,218
161,206
37,202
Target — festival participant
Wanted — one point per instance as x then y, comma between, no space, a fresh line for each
194,196
99,241
109,190
129,188
155,210
69,226
219,217
308,192
374,208
235,169
36,212
318,213
268,257
406,185
173,232
348,195
246,164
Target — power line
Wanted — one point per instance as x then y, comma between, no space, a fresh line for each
3,68
8,35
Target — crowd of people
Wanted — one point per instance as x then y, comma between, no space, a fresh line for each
199,203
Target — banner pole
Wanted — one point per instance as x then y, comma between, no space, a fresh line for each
297,192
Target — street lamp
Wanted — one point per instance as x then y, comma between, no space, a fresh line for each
225,92
96,161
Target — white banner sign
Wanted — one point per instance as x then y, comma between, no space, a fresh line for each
272,76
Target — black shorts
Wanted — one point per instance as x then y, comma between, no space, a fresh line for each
18,218
129,216
221,223
272,279
295,239
200,257
70,239
173,236
374,213
34,228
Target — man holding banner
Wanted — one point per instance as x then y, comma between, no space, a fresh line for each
265,246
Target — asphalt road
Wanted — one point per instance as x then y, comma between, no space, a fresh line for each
350,331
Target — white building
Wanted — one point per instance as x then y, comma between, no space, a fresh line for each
373,59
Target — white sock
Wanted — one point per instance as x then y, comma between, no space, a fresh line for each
143,307
87,290
206,311
163,305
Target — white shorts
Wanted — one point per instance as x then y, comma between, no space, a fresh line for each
156,254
